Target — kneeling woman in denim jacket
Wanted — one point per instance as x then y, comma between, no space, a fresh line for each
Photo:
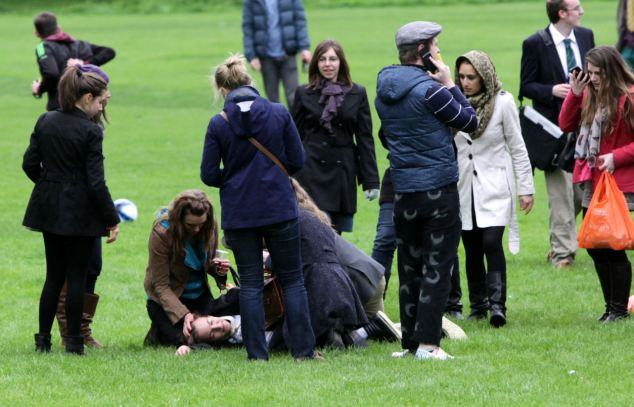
258,203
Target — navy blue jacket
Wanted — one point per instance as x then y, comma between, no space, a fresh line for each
255,27
253,190
420,143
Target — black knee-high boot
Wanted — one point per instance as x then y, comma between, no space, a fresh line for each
43,343
478,298
496,288
75,344
603,271
621,281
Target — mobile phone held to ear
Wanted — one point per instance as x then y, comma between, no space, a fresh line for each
576,70
427,63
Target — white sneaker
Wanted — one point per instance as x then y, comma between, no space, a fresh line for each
453,330
402,354
437,354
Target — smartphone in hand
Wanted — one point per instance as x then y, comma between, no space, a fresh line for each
427,63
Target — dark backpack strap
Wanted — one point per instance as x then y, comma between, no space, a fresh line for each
545,37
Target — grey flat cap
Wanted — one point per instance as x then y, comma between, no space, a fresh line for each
415,32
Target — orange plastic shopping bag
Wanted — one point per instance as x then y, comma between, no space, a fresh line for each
607,224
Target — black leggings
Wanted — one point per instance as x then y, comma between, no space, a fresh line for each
67,259
94,267
480,243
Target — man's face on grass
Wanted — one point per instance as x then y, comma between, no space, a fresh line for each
210,329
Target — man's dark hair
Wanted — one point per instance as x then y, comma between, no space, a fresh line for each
552,9
45,24
408,54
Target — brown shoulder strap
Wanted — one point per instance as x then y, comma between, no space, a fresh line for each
260,147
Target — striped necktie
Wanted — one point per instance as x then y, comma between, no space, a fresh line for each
570,55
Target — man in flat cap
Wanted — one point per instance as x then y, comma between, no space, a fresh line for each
418,105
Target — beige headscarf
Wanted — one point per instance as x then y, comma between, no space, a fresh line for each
483,102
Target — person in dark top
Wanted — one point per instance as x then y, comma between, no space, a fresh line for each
418,105
547,59
258,203
57,51
91,299
625,30
273,33
70,203
333,118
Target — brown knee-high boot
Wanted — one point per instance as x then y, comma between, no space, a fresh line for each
61,315
90,306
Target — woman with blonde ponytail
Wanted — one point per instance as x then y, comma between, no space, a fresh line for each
70,203
258,205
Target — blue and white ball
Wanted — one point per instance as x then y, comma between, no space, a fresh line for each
126,209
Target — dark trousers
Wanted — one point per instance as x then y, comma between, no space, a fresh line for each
276,70
282,240
67,259
169,334
487,284
383,252
428,232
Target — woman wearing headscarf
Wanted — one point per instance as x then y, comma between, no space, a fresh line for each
333,118
494,167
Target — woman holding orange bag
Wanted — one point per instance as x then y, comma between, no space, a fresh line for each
601,106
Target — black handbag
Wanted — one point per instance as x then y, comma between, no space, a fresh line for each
566,159
544,140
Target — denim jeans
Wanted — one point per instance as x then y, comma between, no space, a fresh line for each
428,232
282,240
385,240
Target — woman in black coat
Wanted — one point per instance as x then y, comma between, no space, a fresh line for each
70,203
332,115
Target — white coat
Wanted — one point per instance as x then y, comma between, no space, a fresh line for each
494,169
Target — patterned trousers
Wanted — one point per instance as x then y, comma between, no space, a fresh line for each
428,231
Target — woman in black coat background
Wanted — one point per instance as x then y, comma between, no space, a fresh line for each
70,203
332,115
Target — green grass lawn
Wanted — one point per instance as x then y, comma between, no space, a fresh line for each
552,352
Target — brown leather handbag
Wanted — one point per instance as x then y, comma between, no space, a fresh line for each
273,300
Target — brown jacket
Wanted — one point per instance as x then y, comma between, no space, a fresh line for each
166,274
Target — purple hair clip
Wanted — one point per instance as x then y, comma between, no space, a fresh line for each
94,69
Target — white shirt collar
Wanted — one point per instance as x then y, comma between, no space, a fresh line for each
558,37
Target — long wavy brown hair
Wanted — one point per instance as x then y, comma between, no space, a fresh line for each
304,201
191,202
616,81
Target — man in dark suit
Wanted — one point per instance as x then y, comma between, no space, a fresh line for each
547,58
